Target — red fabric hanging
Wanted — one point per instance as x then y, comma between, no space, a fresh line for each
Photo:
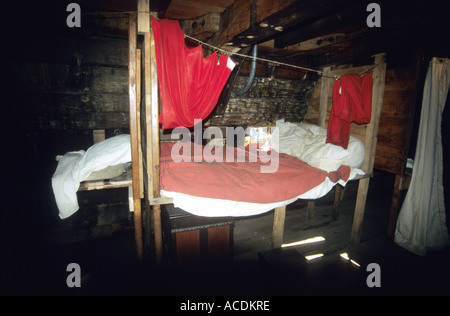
352,102
189,85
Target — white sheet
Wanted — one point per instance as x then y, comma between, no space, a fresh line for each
76,166
307,142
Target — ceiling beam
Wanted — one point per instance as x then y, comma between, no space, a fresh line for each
353,15
244,24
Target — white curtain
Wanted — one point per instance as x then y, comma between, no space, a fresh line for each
421,223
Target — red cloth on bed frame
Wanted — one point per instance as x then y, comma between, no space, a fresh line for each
352,102
189,85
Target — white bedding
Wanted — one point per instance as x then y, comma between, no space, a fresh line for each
76,166
307,142
302,140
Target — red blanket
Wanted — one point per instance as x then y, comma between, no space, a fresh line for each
241,181
352,102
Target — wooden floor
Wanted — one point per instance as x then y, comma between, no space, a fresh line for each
109,266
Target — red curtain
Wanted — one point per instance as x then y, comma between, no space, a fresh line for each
352,102
189,85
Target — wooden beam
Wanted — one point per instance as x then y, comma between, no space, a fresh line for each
324,89
147,119
203,27
152,139
248,22
328,21
143,8
378,75
154,118
132,46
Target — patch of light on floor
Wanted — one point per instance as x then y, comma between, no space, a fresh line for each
311,257
302,242
345,256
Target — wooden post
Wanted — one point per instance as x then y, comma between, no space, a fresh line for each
337,200
324,89
370,144
151,130
154,163
138,122
310,209
323,107
279,216
132,46
395,207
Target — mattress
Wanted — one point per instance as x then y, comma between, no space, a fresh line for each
239,188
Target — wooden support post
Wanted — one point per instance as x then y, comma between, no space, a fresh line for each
395,204
370,144
154,118
360,206
337,200
158,233
324,96
132,46
154,164
323,107
138,122
310,209
279,216
151,131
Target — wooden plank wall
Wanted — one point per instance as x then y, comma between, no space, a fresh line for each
72,80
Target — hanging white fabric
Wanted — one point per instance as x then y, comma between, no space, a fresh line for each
421,222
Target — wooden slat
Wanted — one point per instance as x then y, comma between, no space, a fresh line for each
161,200
103,184
132,46
154,118
147,121
138,122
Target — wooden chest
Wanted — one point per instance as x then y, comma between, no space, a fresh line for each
196,240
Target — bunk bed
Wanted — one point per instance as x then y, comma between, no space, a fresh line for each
154,154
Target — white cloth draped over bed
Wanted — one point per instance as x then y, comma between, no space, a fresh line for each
76,166
421,224
301,140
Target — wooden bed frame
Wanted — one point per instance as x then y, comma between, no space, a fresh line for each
367,133
145,131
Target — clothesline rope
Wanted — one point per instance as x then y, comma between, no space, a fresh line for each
273,62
